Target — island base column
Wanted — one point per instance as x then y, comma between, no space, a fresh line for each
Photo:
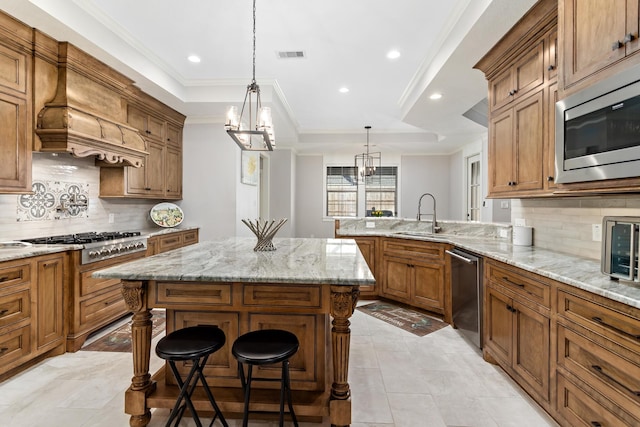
135,402
343,303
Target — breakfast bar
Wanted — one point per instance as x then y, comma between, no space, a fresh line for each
306,286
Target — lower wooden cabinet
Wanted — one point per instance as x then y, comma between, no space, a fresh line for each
416,273
517,328
169,241
31,310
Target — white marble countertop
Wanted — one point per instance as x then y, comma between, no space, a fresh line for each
312,261
583,273
10,251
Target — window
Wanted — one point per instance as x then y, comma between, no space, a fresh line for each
380,191
342,191
473,188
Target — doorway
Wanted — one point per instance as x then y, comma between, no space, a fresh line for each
473,188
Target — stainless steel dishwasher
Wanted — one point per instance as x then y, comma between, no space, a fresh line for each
466,294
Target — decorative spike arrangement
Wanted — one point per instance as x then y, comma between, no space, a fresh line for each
264,230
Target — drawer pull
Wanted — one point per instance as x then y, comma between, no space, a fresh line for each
511,309
511,282
3,349
3,311
595,424
599,370
4,278
620,331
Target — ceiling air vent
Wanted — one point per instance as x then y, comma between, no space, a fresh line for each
291,54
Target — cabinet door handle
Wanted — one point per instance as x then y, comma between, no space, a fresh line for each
599,370
550,67
147,188
614,328
3,312
511,309
616,45
628,38
3,349
550,178
4,278
595,424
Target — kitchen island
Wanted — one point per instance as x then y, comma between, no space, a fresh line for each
307,286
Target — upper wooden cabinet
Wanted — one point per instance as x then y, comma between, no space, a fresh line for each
597,35
520,71
16,122
517,80
160,177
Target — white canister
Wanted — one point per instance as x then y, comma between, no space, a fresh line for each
522,235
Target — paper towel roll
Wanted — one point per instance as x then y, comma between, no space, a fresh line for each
522,236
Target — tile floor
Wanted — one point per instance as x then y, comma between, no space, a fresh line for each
397,380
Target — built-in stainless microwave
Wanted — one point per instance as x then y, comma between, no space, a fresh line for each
598,131
620,247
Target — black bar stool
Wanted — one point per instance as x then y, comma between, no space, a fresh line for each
265,347
195,343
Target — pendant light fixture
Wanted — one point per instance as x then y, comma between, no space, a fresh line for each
368,162
257,135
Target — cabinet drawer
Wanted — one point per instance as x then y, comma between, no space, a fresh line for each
613,371
100,308
189,237
193,293
587,408
15,274
282,296
15,345
603,320
528,287
169,242
89,284
406,249
15,307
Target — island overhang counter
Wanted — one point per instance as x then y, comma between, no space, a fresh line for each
307,286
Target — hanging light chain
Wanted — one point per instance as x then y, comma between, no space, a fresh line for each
254,42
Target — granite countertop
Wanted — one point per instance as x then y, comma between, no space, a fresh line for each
583,273
13,250
312,261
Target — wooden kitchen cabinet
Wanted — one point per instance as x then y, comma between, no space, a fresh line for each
520,70
415,273
16,122
516,143
161,175
598,360
517,80
31,311
517,327
169,241
599,38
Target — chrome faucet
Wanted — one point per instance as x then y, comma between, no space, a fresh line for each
434,227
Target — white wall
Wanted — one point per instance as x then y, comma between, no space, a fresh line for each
424,174
282,189
309,207
211,181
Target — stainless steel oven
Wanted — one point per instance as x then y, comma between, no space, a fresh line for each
598,131
466,294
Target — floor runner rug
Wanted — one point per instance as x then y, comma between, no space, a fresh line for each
119,339
404,318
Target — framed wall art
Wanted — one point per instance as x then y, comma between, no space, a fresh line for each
250,168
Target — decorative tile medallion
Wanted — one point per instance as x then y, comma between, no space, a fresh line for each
54,200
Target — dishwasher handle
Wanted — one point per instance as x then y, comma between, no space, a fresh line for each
462,258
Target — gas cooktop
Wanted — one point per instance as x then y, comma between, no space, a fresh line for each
82,238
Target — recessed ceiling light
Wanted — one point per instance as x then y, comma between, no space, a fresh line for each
393,54
193,58
343,90
435,95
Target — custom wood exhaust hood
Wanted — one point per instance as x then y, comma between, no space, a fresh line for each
85,112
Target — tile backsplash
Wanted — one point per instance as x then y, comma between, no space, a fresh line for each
63,178
565,225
